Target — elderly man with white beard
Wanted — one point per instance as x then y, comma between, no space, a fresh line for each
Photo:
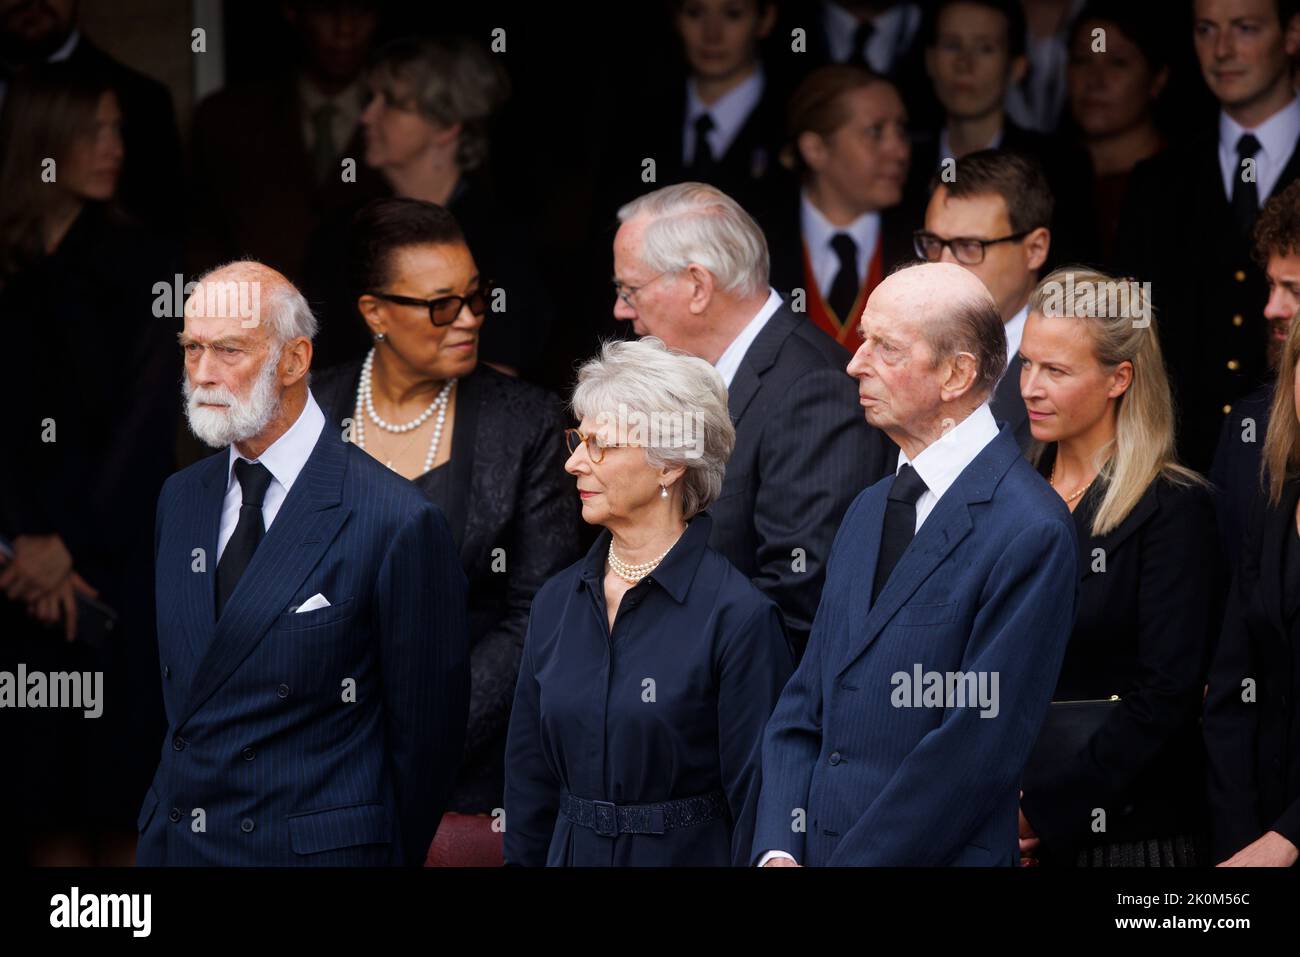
311,616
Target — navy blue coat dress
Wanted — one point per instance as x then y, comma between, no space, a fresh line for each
671,705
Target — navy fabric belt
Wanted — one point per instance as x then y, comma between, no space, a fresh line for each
608,819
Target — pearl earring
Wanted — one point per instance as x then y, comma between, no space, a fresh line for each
663,491
380,337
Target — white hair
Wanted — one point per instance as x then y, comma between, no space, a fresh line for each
681,397
283,306
696,223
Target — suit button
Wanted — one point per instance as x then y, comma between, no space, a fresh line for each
249,754
835,757
1238,320
246,825
178,743
167,671
1239,275
1233,365
282,691
175,815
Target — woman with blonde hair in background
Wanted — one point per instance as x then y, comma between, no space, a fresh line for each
1251,708
1116,779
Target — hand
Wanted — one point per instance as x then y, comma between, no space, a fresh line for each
61,603
39,565
782,862
1271,850
1029,841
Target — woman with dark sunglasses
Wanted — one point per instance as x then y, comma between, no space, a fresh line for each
480,444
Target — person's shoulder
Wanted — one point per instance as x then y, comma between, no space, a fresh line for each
187,479
379,489
1182,498
1025,491
529,408
739,600
806,348
332,386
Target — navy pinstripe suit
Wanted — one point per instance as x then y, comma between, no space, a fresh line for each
988,585
264,737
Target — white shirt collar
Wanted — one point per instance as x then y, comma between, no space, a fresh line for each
1277,137
1015,329
941,462
287,455
817,234
895,29
945,147
728,363
729,114
66,50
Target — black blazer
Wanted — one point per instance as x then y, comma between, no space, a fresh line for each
803,452
1235,472
1008,405
1254,765
1202,289
1150,598
514,515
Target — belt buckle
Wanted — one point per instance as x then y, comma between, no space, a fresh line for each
605,818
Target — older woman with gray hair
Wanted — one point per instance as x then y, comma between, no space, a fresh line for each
428,131
651,666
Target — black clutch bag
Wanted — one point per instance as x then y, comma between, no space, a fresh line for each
1069,727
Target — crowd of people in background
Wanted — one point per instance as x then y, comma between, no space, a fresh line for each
761,198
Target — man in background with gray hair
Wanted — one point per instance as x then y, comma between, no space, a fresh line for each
691,267
949,600
311,616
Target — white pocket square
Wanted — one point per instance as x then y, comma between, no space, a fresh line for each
311,604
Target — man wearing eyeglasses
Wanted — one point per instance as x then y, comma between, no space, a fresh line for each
993,219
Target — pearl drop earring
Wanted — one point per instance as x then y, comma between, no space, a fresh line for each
380,337
663,491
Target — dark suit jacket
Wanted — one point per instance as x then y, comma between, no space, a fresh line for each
1150,600
987,587
254,196
1008,406
509,502
1254,780
1201,289
803,451
1235,472
329,737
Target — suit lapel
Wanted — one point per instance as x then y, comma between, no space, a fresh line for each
757,360
201,527
303,530
943,529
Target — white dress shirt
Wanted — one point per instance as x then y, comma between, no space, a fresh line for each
729,362
1015,329
284,459
818,231
1277,137
939,464
1036,104
729,114
895,30
945,146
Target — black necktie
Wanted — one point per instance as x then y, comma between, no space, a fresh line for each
703,161
844,287
254,479
1245,196
861,37
900,524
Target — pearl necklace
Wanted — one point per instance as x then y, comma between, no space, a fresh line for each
365,398
633,572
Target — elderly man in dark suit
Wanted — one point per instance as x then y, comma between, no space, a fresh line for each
311,616
691,267
949,599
